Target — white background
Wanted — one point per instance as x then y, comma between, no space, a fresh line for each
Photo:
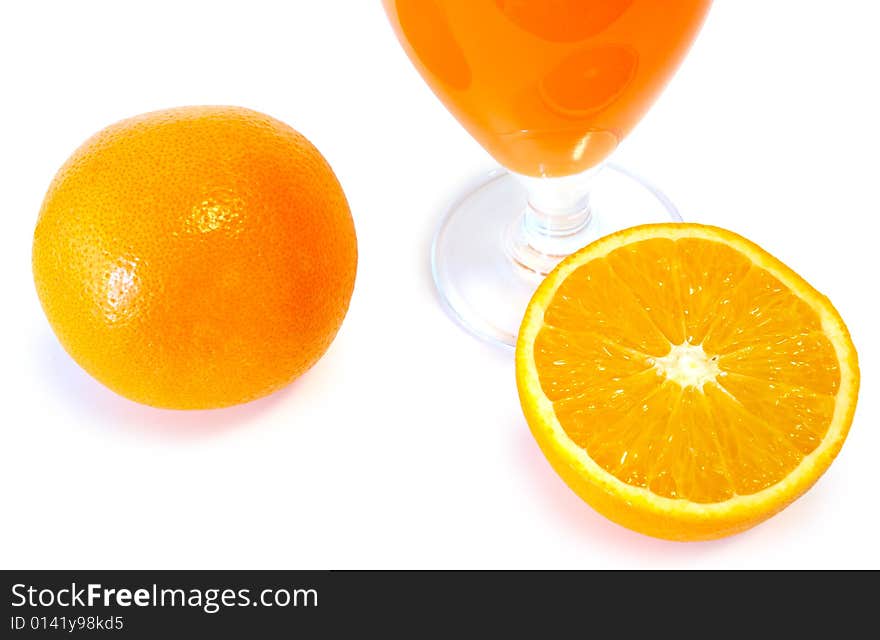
405,446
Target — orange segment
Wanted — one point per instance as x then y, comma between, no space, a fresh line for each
684,381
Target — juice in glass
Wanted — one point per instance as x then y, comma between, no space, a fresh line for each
548,87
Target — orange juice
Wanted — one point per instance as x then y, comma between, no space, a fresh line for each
548,87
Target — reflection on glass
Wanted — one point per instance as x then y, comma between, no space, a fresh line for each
563,20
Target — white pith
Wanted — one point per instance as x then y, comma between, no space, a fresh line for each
688,365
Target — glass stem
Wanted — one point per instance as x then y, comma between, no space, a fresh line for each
555,223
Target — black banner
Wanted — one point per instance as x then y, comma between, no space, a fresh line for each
414,604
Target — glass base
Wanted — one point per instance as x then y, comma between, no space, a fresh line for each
485,263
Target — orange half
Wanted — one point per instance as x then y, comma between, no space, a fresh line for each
684,382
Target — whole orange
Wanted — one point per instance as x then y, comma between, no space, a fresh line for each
196,257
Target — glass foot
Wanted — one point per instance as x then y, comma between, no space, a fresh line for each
487,259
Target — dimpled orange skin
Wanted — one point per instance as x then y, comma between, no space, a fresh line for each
196,257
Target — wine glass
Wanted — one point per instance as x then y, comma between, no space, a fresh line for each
549,88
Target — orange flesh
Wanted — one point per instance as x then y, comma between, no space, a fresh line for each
750,404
